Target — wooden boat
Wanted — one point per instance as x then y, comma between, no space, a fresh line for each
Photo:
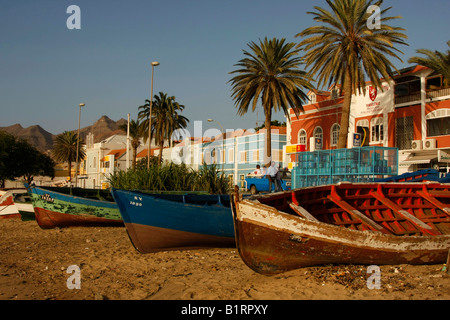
164,222
64,207
23,203
373,223
7,207
16,203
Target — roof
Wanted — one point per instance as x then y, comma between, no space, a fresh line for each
117,153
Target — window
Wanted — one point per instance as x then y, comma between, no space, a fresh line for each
318,137
231,156
335,93
312,98
231,180
255,155
435,82
244,156
335,134
362,127
407,86
438,123
277,155
377,130
302,137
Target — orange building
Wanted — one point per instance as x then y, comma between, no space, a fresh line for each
411,113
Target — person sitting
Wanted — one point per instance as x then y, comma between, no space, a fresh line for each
256,172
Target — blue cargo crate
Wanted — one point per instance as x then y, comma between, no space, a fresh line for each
363,164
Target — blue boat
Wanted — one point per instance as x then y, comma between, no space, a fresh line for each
164,222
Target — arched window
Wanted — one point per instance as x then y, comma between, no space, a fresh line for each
438,122
318,136
335,134
302,137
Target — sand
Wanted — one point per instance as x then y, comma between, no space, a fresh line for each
34,264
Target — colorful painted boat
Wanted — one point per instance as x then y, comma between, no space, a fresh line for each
64,207
167,222
373,223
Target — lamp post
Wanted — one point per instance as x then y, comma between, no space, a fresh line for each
223,142
154,64
78,145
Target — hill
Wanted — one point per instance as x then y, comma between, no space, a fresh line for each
43,140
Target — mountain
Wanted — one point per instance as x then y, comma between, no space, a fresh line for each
43,140
103,128
35,135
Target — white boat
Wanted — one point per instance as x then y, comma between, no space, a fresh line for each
15,203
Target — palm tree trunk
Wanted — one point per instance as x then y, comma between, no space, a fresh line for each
70,171
345,115
161,147
268,151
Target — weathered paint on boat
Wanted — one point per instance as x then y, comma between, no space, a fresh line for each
7,206
344,224
56,209
175,221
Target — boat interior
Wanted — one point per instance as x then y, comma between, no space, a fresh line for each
412,209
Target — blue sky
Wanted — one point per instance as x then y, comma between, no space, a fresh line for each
46,70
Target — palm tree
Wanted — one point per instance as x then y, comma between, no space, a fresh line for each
437,61
136,133
270,71
65,149
343,49
165,119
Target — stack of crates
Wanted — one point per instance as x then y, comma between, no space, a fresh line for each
363,164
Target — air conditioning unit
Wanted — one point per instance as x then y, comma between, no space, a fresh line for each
430,144
416,145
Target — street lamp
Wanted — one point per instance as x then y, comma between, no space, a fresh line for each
154,64
223,143
78,145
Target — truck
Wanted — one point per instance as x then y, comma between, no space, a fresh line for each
260,183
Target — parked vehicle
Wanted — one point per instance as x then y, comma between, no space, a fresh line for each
259,183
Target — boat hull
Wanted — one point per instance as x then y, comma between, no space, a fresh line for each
8,207
54,209
163,223
271,242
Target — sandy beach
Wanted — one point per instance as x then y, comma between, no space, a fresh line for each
34,263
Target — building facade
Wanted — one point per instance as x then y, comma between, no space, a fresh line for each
236,155
411,113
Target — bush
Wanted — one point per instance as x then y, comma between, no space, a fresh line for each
171,177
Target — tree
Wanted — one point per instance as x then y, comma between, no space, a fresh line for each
136,133
343,49
20,159
270,70
437,61
65,149
165,119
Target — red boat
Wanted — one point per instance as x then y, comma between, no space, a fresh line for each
348,223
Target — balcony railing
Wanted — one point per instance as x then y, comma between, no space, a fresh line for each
407,98
437,93
431,94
